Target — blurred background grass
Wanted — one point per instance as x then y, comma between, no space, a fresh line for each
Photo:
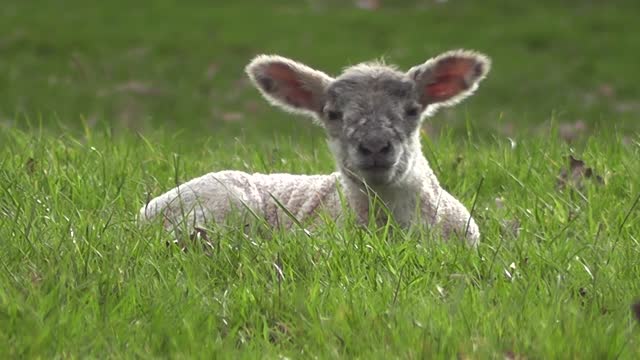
179,64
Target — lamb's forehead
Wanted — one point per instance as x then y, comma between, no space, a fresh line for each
370,78
372,68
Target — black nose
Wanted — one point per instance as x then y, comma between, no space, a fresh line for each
375,147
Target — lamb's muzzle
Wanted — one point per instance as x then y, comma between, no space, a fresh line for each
372,115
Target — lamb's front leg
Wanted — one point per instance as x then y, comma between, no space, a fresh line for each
452,217
207,199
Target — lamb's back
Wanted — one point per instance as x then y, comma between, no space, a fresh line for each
304,196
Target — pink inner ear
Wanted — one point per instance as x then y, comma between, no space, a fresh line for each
289,87
449,78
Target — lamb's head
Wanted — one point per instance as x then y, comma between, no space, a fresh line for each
371,112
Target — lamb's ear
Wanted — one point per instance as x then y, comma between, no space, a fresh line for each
288,84
450,77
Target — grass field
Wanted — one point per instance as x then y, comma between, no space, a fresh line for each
103,105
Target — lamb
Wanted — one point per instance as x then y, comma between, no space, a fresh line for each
372,114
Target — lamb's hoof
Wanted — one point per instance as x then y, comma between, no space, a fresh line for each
198,236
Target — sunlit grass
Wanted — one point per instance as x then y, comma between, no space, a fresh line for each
554,276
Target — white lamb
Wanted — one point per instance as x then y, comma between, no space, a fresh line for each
372,115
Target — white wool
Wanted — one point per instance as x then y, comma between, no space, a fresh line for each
213,197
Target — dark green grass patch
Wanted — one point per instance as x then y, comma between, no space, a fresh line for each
181,63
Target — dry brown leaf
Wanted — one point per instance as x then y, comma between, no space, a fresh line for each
582,292
279,332
199,236
606,90
137,88
575,174
571,131
510,227
626,106
510,355
36,277
368,4
252,106
212,70
635,309
459,159
30,166
79,65
507,129
136,53
232,116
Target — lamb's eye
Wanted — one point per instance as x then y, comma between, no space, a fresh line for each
334,115
411,111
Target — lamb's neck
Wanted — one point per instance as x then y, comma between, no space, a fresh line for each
400,197
417,177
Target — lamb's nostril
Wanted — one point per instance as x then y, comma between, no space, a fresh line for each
386,149
363,150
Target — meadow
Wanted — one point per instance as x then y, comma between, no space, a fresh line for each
106,104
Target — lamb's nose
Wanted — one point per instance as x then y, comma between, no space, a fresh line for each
375,147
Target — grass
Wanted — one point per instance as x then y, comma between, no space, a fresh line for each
554,276
173,63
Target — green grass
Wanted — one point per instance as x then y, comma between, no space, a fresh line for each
81,279
79,154
69,59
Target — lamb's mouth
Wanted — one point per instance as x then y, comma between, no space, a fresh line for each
375,171
372,174
376,167
378,174
379,167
